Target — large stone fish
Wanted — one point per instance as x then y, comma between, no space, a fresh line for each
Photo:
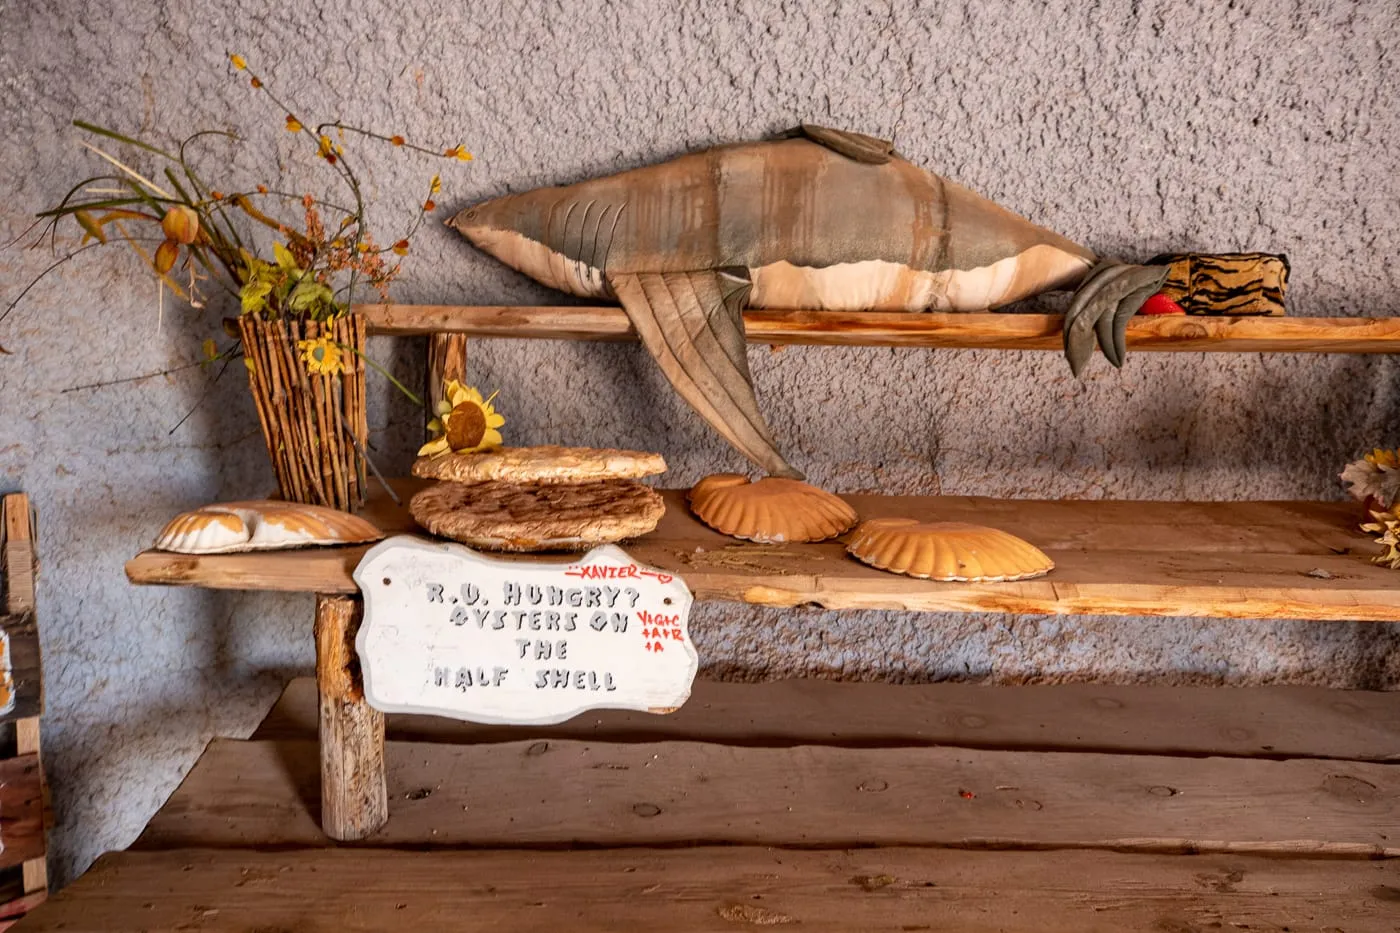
821,219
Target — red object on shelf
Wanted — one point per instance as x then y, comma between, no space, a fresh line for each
1161,304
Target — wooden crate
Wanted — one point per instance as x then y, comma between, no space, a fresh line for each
23,794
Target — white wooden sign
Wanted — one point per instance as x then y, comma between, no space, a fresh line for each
452,632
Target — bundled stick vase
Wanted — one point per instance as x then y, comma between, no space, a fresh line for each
314,424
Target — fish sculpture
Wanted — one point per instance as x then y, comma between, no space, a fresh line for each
819,219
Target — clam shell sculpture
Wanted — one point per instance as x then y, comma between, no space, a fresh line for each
262,525
947,551
770,511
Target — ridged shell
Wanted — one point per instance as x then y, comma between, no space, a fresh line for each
770,511
262,525
948,551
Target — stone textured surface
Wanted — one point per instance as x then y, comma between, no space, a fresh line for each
1131,127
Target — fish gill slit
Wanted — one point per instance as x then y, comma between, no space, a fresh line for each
578,263
607,252
597,228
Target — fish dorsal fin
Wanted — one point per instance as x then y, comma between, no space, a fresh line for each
691,323
868,149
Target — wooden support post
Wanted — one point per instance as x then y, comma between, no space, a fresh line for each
447,359
354,800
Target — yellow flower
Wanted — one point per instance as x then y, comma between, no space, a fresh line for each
466,422
321,356
238,61
458,152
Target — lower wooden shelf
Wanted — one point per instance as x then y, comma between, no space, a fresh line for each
1244,560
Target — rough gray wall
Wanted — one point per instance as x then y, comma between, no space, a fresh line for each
1133,128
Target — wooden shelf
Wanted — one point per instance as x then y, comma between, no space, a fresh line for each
881,329
1243,560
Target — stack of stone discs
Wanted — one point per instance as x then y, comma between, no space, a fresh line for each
538,498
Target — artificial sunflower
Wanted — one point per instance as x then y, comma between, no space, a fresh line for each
322,356
466,422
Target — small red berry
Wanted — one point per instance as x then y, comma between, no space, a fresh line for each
1160,304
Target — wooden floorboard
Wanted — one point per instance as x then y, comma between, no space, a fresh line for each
1259,722
353,890
558,793
1240,560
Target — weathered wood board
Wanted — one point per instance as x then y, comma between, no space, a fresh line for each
451,631
21,810
21,670
1244,722
995,331
354,890
1240,560
554,793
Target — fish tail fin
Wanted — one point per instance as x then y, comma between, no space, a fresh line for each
1101,308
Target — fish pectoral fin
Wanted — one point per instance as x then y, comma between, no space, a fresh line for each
862,148
692,324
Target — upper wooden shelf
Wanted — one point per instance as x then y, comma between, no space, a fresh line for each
882,329
1246,560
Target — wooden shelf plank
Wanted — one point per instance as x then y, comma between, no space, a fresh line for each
999,331
262,794
1247,722
718,889
1243,560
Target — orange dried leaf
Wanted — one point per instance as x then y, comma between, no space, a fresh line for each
401,248
429,206
293,124
181,224
396,140
257,83
166,254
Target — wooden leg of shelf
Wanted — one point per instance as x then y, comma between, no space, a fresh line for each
35,870
354,801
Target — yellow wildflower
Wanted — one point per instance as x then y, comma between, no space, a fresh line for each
458,152
466,422
238,61
321,356
293,124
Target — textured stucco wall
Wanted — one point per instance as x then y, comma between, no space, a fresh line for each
1132,128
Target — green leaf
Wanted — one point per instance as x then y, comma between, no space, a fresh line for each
309,296
285,260
254,296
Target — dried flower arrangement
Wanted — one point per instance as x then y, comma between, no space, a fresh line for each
303,348
1375,480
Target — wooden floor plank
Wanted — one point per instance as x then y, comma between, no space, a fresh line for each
1240,560
353,890
1262,722
559,793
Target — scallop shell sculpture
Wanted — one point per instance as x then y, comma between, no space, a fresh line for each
262,525
947,551
770,511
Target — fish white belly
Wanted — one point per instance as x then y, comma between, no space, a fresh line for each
543,264
876,285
